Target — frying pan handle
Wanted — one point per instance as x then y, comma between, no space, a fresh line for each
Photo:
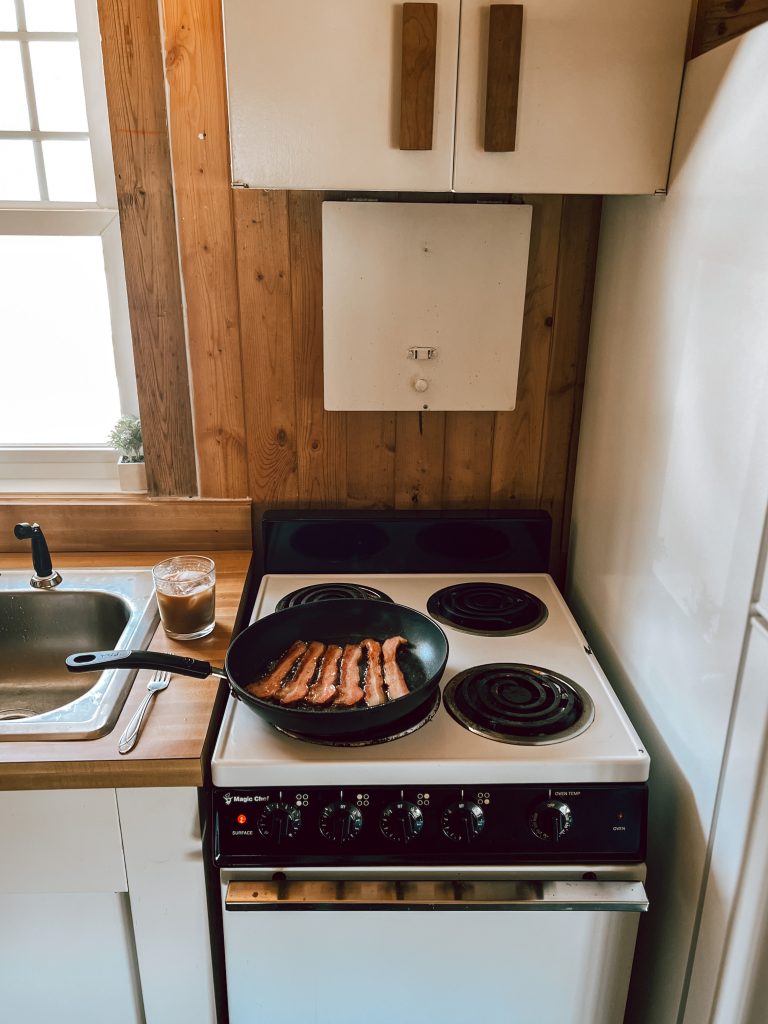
93,661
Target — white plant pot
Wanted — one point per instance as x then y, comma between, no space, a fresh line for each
132,476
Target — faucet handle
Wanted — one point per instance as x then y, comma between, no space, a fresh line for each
45,577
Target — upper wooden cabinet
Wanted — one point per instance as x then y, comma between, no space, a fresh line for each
564,96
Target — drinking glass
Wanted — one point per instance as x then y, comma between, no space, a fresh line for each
185,586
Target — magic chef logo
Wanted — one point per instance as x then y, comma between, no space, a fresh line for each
242,799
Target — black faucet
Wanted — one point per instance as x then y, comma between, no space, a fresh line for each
45,577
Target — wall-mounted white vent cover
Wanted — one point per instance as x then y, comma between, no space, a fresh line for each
423,304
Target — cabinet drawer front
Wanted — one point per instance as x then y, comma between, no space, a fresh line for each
598,92
314,95
60,841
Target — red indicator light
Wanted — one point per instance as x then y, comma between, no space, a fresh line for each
241,819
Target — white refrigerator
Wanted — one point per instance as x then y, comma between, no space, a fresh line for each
667,570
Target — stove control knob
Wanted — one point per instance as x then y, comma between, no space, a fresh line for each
463,822
550,820
401,822
278,822
340,822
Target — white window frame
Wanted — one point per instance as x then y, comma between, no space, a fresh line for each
67,467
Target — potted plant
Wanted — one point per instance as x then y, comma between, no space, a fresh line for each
125,438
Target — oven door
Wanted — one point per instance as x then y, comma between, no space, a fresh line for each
449,952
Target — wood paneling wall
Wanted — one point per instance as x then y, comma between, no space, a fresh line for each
133,72
717,21
301,454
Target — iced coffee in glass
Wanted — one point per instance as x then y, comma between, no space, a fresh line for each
186,596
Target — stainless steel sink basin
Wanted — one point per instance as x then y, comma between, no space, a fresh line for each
90,610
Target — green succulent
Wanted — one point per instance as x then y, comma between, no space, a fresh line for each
125,438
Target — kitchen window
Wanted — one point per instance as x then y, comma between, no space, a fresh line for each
66,363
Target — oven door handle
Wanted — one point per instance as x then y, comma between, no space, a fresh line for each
294,894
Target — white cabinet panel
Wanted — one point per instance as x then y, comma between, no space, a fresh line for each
314,95
60,841
67,958
599,85
164,860
423,304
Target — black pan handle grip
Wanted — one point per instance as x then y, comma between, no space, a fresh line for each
97,661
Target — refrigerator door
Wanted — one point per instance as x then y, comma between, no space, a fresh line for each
730,944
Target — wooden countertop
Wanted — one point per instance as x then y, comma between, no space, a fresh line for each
177,735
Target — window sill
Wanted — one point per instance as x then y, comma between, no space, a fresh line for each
59,486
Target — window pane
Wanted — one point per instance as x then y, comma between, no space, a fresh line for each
58,87
56,362
14,116
18,174
8,16
50,15
69,171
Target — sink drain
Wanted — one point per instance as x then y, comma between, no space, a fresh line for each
11,714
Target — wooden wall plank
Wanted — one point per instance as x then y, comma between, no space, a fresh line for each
419,455
517,434
269,370
717,21
133,72
577,260
322,436
468,459
200,152
371,459
82,523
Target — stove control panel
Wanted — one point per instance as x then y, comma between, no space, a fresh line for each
472,824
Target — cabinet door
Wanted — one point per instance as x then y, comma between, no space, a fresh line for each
596,98
66,958
314,94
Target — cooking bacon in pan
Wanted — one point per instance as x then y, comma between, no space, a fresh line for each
394,680
319,675
298,687
350,692
270,684
324,689
374,680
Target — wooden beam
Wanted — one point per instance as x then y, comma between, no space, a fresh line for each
133,71
194,42
74,522
717,21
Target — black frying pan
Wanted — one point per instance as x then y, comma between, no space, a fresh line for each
258,647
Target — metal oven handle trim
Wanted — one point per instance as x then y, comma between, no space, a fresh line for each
425,894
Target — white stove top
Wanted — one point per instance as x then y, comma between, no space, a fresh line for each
249,752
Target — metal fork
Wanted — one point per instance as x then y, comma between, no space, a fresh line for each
158,682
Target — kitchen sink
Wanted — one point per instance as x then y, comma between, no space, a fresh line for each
91,610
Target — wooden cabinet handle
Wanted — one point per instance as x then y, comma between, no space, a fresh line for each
417,81
505,37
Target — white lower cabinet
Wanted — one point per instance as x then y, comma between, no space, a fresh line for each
103,913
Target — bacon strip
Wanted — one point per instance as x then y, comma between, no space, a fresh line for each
394,680
350,692
374,680
269,685
324,689
298,687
